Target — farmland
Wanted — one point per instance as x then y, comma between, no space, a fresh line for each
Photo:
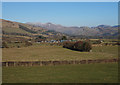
39,52
80,73
74,73
24,43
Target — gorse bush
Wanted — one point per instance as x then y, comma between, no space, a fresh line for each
78,46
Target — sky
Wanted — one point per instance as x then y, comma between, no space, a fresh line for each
60,0
64,13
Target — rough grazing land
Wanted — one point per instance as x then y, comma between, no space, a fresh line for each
85,73
46,53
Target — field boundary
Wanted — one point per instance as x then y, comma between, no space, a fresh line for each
43,63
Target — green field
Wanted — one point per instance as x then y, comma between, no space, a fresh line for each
85,73
80,73
40,52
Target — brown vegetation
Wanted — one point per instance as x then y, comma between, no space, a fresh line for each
79,45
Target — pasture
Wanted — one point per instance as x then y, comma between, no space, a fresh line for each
80,73
74,73
39,52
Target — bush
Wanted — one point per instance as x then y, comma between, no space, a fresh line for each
79,45
41,37
87,46
28,43
64,38
118,43
68,44
4,45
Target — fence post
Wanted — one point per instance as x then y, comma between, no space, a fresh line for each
14,63
40,63
6,64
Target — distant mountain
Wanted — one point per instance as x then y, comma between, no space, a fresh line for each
101,30
68,30
104,26
51,30
116,26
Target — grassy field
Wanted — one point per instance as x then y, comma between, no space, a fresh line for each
81,73
39,52
85,73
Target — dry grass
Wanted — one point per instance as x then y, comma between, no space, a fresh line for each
43,52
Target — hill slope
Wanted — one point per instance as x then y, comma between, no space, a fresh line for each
21,29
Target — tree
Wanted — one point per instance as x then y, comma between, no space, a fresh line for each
64,38
41,37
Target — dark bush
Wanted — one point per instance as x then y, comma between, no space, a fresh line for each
18,46
68,44
118,43
4,45
64,38
87,46
79,45
41,37
28,43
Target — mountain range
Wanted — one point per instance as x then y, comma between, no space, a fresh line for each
101,30
51,30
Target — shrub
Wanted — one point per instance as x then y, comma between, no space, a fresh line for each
87,46
28,43
18,46
41,37
68,44
118,43
79,45
64,38
4,45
